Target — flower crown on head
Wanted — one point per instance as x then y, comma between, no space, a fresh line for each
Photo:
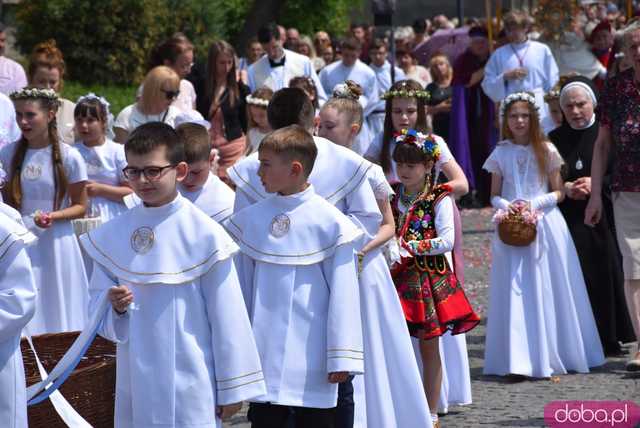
91,96
424,142
517,96
255,101
405,92
342,90
34,93
552,95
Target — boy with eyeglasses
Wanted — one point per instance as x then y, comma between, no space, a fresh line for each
186,355
203,188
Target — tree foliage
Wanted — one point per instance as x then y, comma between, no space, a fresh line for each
108,41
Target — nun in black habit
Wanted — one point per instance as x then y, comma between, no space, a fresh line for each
597,246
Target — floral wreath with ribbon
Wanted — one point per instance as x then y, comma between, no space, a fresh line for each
261,102
103,101
405,92
35,93
425,142
515,97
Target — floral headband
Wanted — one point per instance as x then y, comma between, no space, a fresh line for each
255,101
552,95
91,96
424,142
34,93
342,90
406,92
518,96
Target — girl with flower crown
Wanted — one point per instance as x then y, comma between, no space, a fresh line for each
391,374
405,108
47,182
540,321
104,158
257,123
431,295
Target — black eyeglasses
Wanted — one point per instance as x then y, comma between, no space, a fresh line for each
151,173
171,95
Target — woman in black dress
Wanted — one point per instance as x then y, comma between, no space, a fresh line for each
439,105
597,248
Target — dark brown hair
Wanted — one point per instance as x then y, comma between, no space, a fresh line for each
306,84
290,106
152,135
421,123
169,50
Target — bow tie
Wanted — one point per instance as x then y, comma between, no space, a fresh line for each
276,63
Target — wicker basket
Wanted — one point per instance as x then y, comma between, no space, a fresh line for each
513,231
90,389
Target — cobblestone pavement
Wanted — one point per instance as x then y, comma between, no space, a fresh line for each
496,401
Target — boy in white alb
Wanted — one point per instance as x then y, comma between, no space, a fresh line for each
186,356
298,271
17,306
203,188
200,186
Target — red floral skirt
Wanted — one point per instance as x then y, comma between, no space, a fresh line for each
432,299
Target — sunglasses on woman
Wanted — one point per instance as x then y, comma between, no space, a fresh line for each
171,95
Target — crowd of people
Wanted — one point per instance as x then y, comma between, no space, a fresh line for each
283,228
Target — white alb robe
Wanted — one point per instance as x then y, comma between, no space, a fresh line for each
186,346
336,73
17,306
302,294
383,77
338,176
536,58
215,198
260,73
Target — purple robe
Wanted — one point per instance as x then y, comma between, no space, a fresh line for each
472,135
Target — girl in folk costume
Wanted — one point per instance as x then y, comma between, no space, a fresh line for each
540,321
393,394
104,159
47,184
257,121
431,296
406,108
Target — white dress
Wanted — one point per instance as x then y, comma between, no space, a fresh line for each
540,321
186,344
392,382
254,137
56,260
104,165
17,305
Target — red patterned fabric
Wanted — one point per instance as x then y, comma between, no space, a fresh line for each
432,299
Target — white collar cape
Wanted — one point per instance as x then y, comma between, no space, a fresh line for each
12,230
215,198
337,172
313,229
172,244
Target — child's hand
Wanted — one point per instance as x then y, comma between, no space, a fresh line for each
225,412
120,297
93,189
338,377
43,219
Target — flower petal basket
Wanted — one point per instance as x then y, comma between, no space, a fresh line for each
519,228
90,389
